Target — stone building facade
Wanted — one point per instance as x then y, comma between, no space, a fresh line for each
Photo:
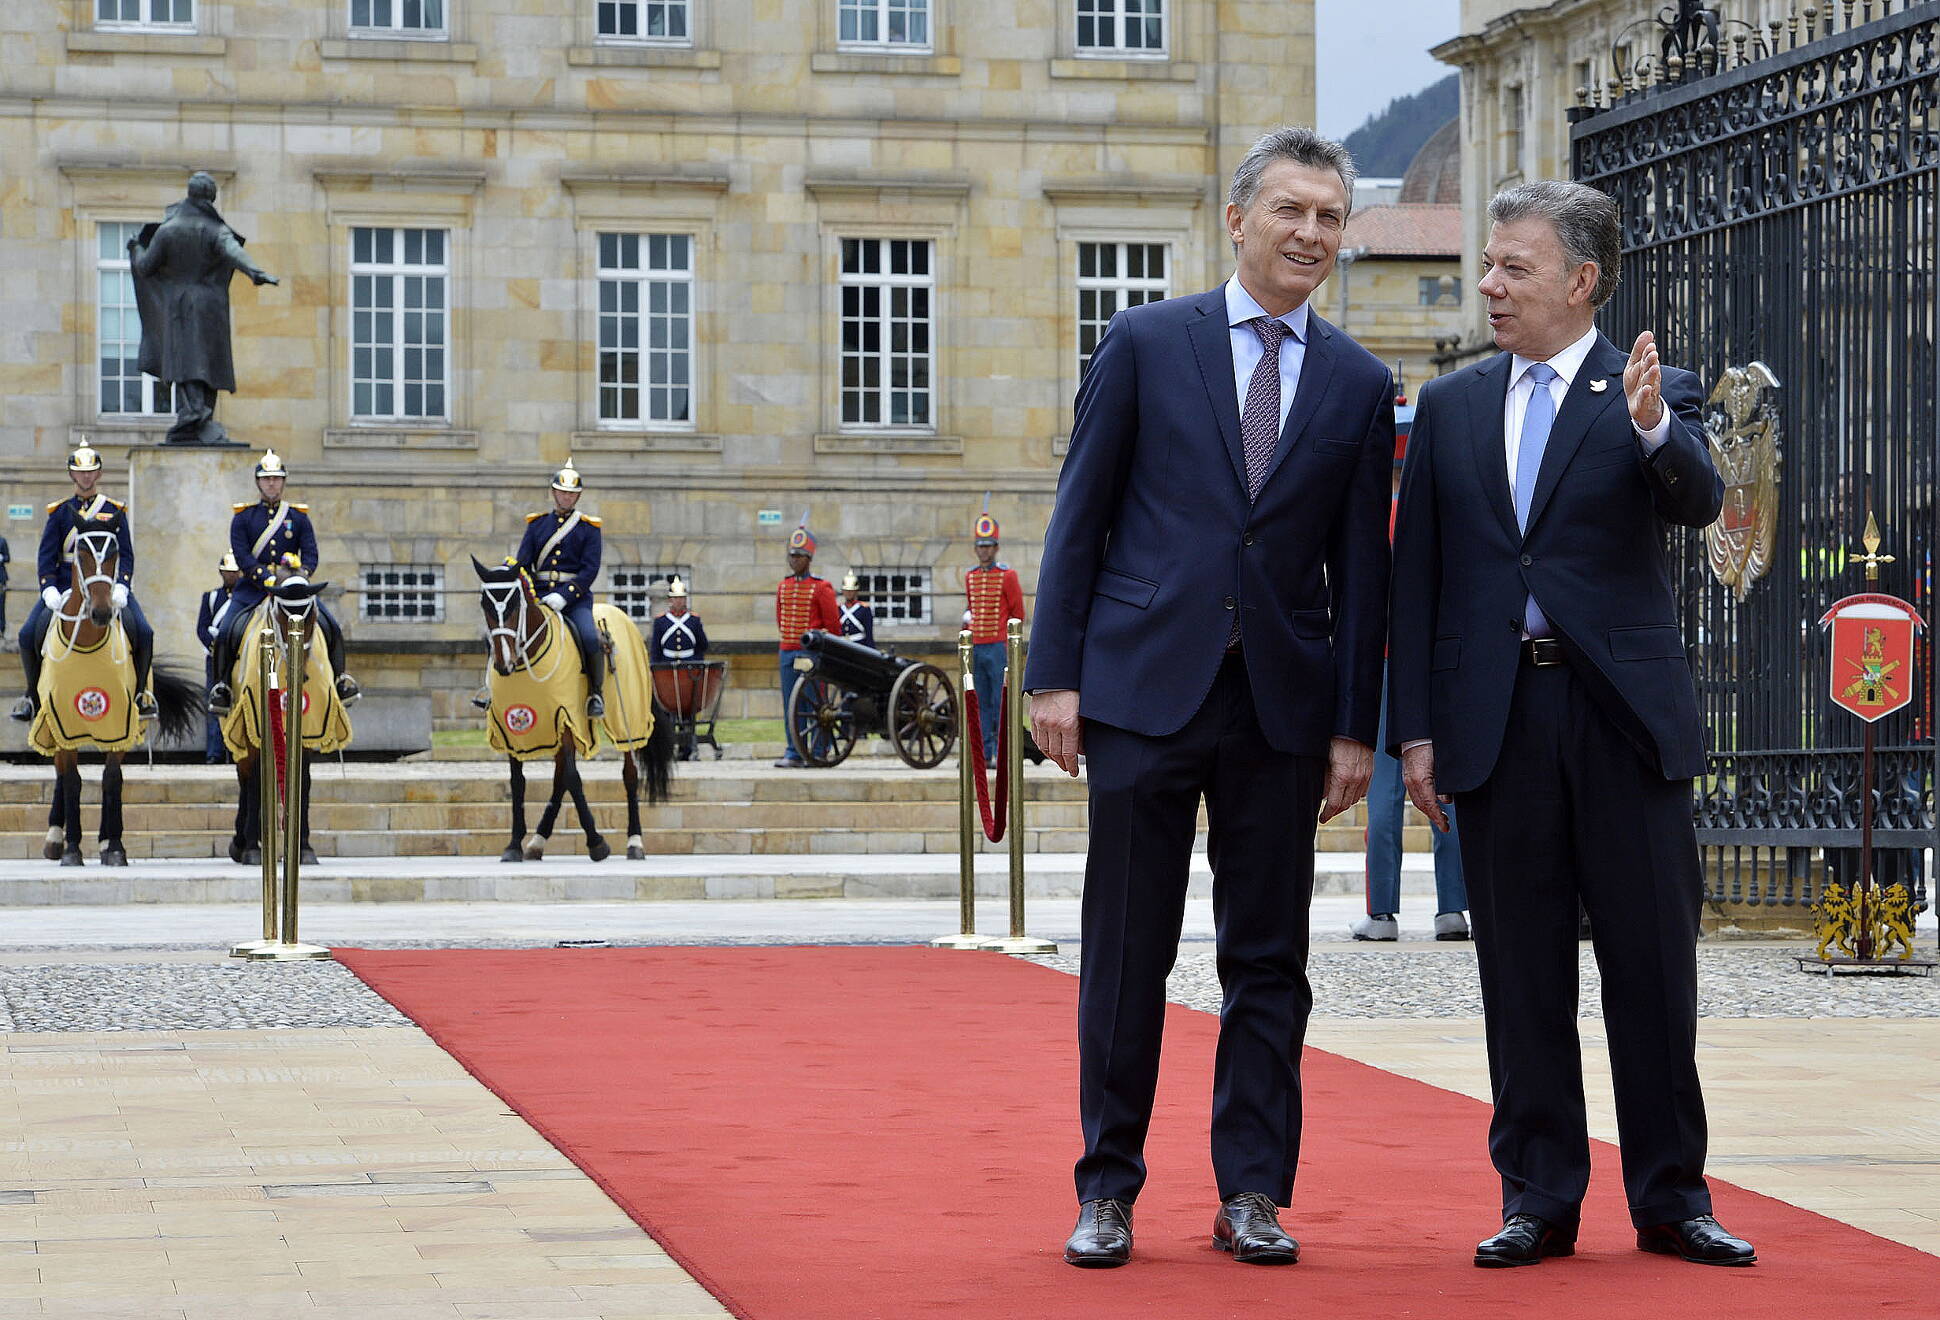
736,258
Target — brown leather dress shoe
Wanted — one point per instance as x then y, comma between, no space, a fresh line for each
1701,1240
1525,1240
1103,1238
1248,1225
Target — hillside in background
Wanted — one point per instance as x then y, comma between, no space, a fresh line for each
1385,144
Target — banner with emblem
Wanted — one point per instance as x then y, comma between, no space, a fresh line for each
1872,653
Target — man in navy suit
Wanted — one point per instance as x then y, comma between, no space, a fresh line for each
1538,678
1211,617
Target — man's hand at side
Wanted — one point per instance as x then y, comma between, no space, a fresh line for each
1418,774
1350,765
1060,734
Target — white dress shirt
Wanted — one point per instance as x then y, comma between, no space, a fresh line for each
1248,349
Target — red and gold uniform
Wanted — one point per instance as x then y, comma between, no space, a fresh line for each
996,597
804,603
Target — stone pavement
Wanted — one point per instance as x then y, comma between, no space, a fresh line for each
343,1170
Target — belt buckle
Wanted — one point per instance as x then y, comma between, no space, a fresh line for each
1544,652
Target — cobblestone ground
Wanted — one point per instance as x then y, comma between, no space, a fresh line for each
1755,981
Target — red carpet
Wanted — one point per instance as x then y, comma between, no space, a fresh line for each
834,1134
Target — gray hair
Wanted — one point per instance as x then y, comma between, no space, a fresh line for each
1302,146
1585,220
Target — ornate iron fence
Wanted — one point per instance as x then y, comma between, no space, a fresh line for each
1784,207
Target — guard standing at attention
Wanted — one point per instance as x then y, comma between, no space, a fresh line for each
274,542
87,511
803,603
206,615
561,550
996,597
858,619
678,634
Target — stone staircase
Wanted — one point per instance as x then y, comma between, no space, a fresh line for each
447,808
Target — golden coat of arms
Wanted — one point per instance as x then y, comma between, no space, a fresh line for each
1741,423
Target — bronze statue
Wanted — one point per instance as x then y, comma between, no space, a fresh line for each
182,269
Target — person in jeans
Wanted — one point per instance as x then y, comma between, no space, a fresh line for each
1387,801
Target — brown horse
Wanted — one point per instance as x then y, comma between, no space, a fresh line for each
538,703
87,699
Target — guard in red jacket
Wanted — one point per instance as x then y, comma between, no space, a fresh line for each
803,602
996,597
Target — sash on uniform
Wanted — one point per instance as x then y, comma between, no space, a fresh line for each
269,532
552,542
87,514
677,626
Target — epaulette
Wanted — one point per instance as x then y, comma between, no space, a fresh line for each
1000,564
535,517
55,505
589,518
239,508
301,508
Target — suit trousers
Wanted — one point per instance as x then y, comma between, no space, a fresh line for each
1261,806
1573,811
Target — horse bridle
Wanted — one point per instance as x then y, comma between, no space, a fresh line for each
102,546
499,597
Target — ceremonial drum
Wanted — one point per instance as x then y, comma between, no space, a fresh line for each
690,692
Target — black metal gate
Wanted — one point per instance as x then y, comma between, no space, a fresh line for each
1781,196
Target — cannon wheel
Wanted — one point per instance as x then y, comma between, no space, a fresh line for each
821,725
922,716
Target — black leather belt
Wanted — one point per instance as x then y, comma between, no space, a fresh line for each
1543,652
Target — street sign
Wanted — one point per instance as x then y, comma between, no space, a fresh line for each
1872,653
768,517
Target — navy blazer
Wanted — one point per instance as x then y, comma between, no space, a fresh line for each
64,523
295,537
1153,546
1594,557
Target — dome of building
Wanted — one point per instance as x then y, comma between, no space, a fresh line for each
1435,174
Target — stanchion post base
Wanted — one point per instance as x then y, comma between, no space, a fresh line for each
962,942
248,947
1021,944
280,952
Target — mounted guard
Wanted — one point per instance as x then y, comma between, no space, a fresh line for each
561,550
88,513
275,545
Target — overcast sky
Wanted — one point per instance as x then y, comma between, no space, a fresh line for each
1372,51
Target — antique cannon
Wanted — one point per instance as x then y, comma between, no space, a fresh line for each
847,691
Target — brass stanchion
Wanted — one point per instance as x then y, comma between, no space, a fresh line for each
967,825
1017,941
266,829
290,948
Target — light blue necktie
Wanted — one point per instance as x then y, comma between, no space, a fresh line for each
1536,424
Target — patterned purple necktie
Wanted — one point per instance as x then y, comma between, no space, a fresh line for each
1259,420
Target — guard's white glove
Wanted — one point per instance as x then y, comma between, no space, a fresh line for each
52,597
554,599
119,595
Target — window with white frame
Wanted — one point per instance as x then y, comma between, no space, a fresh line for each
398,18
145,15
668,22
1121,27
896,594
399,281
888,297
646,330
121,389
637,588
402,593
1112,277
879,24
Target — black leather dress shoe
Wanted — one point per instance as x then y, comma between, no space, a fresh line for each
1248,1225
1525,1240
1702,1240
1103,1238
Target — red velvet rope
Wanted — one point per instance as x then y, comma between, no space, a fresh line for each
993,821
276,738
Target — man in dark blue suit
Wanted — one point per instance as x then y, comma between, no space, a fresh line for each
1538,678
1211,617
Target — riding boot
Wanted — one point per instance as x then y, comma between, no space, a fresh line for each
595,667
142,645
222,658
333,642
32,635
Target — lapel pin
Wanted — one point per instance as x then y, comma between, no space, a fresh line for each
1599,385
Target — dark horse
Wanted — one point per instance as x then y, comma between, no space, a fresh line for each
88,700
537,710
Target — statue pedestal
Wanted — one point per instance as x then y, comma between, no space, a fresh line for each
180,500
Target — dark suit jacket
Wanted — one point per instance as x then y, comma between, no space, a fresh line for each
1594,558
1153,545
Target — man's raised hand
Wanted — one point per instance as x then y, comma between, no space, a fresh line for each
1643,383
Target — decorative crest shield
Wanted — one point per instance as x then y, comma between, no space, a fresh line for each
1872,653
1741,422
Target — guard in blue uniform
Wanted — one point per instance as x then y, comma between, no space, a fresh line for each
274,543
561,550
88,511
678,634
858,619
206,615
